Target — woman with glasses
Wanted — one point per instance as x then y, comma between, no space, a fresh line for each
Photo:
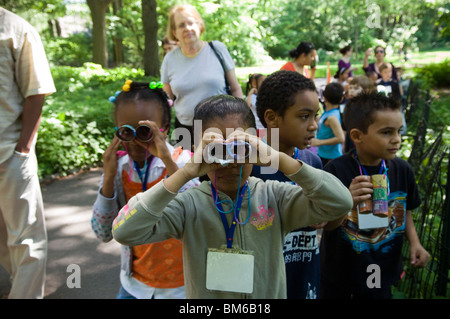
380,54
196,69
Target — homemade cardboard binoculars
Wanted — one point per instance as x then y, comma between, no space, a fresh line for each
127,133
378,205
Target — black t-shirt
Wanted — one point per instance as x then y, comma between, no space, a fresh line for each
347,251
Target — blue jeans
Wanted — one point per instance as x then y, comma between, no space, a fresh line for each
123,294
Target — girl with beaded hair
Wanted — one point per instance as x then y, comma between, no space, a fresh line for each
142,117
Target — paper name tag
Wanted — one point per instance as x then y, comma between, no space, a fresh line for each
232,272
370,221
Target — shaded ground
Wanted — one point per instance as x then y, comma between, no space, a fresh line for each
68,208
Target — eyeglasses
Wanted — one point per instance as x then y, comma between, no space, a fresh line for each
379,51
127,133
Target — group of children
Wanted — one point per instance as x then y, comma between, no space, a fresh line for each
251,228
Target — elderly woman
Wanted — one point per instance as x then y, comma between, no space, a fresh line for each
380,54
193,71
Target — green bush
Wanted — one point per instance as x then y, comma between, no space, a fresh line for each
71,51
77,123
435,74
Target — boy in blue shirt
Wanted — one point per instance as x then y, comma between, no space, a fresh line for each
330,135
350,252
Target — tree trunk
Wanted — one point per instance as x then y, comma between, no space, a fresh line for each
150,24
58,27
119,58
98,14
355,41
51,28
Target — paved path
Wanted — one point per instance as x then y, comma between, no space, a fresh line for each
68,208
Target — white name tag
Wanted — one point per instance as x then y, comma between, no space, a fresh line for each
370,221
232,272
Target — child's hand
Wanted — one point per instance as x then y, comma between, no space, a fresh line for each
157,146
253,91
419,256
315,142
197,166
110,158
361,189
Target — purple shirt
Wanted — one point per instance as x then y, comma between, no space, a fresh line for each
343,64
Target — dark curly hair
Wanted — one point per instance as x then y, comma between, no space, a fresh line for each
278,92
140,91
359,111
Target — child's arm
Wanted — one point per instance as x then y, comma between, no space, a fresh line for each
320,198
106,206
366,59
336,127
418,255
288,165
138,224
104,211
361,189
110,168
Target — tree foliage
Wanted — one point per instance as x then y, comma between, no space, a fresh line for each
256,30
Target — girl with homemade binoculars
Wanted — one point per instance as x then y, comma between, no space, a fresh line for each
232,226
142,115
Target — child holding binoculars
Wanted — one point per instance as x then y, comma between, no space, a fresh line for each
232,227
362,258
142,114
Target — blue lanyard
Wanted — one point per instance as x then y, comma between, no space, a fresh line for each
147,170
229,230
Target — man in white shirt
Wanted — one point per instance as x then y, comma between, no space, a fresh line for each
25,80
